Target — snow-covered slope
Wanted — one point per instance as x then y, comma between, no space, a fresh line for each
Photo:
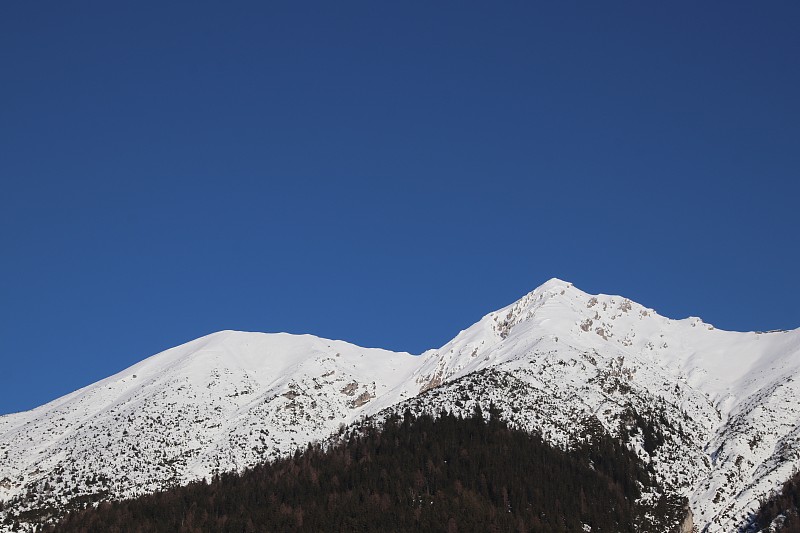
715,412
215,404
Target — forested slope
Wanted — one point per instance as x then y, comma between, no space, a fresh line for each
411,474
782,511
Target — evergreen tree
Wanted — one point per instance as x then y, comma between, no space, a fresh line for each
412,474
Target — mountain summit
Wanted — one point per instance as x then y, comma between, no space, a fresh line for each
714,413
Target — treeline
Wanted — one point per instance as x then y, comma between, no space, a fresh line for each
785,504
411,474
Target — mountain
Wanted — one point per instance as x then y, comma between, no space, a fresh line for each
715,414
218,403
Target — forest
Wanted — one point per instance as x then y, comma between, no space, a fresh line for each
442,473
785,505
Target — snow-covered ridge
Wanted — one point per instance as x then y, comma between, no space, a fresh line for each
726,402
725,365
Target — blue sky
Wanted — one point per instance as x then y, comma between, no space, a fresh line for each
382,173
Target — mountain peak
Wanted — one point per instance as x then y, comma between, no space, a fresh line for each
552,284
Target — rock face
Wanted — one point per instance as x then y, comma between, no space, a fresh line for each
715,413
687,526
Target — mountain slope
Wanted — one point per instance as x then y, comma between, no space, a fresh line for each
714,413
409,474
218,403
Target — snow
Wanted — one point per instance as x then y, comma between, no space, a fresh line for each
553,361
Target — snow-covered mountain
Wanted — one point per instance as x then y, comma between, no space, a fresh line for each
715,413
215,404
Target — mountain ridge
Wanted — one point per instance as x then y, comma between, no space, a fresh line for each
722,403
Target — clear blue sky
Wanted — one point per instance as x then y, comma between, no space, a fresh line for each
383,172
